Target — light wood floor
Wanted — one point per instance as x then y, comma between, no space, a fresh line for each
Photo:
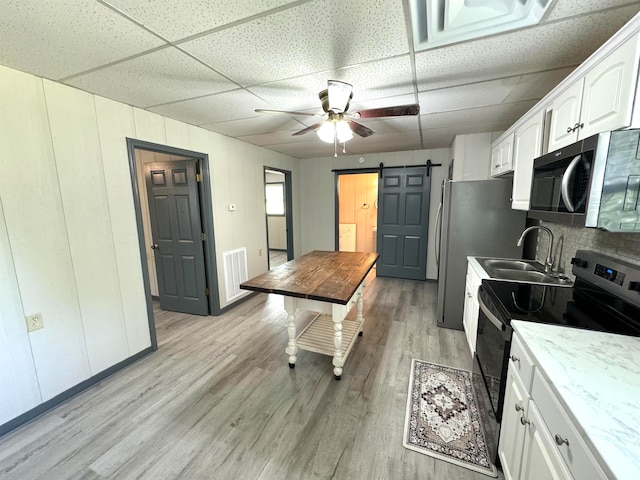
218,401
277,258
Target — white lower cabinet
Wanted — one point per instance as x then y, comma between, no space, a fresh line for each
540,456
471,308
537,438
516,404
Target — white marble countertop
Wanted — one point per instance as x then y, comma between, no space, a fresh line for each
596,376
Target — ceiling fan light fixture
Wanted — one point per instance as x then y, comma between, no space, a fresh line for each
327,132
343,131
339,94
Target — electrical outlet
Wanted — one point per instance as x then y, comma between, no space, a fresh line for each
34,322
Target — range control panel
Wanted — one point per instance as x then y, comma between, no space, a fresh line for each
609,274
616,276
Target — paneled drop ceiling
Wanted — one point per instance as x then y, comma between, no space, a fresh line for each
212,63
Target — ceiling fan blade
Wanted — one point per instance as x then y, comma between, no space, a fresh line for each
360,129
339,94
308,129
306,114
396,111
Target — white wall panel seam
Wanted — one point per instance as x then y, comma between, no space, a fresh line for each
4,221
64,214
109,216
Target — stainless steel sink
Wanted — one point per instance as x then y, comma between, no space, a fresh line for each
522,271
511,264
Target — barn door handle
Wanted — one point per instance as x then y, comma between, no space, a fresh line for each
155,246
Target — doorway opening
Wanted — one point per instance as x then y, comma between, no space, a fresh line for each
357,210
172,199
279,221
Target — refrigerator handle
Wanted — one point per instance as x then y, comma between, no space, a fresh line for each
437,239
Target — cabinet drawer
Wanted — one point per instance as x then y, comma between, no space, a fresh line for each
521,362
575,453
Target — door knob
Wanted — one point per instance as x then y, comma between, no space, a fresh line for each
155,246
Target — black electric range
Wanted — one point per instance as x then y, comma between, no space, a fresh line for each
604,297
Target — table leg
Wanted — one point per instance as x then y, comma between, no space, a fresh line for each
338,315
360,307
292,348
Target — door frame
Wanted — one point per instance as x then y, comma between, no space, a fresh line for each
206,213
346,171
288,213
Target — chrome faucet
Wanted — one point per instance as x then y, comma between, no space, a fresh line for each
548,264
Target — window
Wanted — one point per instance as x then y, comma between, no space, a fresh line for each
275,198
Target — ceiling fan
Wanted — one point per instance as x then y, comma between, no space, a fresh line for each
339,123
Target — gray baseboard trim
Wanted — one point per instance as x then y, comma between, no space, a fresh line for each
67,394
238,302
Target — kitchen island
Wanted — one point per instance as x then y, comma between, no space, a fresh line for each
328,283
594,380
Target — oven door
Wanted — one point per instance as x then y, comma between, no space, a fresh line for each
492,351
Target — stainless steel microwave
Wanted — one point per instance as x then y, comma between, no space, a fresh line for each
591,183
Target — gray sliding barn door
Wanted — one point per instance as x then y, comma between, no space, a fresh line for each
403,217
174,208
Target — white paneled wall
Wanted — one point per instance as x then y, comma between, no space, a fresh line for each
37,232
115,122
68,235
18,384
78,160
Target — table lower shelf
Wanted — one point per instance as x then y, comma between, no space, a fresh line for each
318,336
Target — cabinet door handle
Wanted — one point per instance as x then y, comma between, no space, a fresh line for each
519,408
559,440
575,127
524,421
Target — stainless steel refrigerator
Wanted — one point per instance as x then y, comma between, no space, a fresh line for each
475,218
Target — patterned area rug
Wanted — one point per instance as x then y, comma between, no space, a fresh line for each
442,417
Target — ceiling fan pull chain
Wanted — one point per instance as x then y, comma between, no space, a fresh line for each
344,147
335,145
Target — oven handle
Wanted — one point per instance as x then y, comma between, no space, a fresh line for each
489,314
565,182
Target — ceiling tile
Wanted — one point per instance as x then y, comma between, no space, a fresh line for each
385,142
306,150
392,124
467,96
280,137
175,20
161,77
49,40
570,8
546,47
472,116
312,37
266,123
388,77
382,102
537,85
213,108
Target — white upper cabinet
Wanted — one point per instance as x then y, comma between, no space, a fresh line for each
565,117
609,91
527,145
502,156
599,101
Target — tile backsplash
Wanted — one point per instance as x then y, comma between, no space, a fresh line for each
568,239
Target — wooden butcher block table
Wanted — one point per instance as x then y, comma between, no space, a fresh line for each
329,283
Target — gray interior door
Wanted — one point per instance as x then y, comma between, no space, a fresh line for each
174,209
403,216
